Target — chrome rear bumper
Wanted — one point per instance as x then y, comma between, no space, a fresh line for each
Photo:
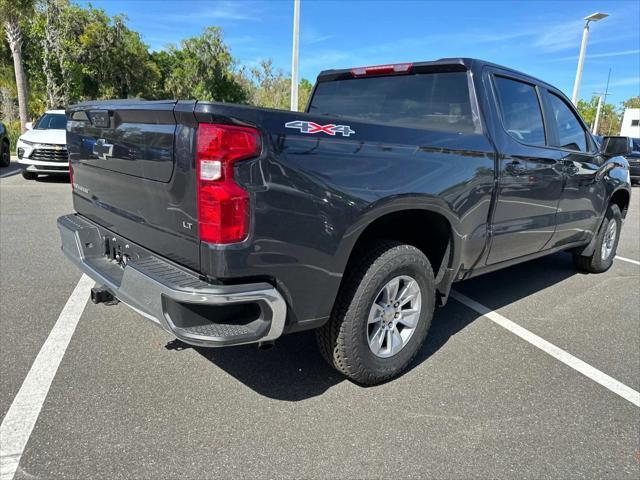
177,300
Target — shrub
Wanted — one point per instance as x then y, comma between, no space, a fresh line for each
13,130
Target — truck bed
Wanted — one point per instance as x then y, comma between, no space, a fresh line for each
309,194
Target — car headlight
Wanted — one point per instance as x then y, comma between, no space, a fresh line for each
23,148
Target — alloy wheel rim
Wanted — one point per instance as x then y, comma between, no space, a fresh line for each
394,316
609,240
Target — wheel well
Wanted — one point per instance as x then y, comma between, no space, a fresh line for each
428,231
621,199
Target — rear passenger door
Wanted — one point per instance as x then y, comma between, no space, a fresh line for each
583,198
530,177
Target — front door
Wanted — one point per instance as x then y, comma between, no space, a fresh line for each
583,199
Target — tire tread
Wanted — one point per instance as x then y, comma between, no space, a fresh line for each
334,338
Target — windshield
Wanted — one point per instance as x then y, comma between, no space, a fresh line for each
48,121
636,144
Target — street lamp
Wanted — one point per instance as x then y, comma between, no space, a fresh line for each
594,17
602,98
294,55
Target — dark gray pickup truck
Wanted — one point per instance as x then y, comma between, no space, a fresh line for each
226,224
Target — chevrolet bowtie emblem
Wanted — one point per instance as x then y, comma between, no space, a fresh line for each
102,149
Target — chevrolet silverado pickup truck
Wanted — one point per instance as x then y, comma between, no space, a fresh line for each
227,224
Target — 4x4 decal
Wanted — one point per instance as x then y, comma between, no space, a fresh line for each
311,127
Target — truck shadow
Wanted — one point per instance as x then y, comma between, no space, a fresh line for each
494,291
294,370
10,170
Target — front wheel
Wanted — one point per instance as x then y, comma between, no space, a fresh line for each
606,244
382,314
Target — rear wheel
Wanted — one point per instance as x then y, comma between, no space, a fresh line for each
29,175
5,154
606,244
382,314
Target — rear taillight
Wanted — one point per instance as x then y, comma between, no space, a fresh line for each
71,174
390,69
223,206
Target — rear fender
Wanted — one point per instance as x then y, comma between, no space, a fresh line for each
385,207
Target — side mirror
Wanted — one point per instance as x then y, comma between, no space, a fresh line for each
28,125
614,146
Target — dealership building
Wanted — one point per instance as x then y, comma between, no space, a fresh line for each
631,123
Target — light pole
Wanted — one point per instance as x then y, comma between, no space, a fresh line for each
594,17
294,55
602,98
595,122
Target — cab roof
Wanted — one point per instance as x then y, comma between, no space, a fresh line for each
453,64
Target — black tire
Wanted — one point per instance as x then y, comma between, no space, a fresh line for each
343,340
29,175
595,263
5,154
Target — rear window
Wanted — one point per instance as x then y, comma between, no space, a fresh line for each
434,101
48,121
520,111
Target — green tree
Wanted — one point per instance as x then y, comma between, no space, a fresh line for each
587,110
113,60
304,92
202,68
270,88
15,13
164,63
609,118
52,46
633,102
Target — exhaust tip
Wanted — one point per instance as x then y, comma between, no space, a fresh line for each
264,346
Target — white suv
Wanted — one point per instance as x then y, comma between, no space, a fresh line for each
43,148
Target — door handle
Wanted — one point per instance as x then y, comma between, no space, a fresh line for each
515,168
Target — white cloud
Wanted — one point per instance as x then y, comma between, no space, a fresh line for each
559,37
598,55
621,82
310,35
626,81
241,40
234,11
325,60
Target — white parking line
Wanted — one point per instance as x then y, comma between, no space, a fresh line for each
587,370
624,259
10,173
22,415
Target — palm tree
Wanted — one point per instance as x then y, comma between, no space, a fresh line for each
13,12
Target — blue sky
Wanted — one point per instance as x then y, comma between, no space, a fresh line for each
541,38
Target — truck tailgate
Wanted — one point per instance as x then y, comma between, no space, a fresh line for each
132,166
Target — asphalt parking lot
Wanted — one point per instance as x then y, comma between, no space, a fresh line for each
479,401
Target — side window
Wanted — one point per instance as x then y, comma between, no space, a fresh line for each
571,135
520,110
